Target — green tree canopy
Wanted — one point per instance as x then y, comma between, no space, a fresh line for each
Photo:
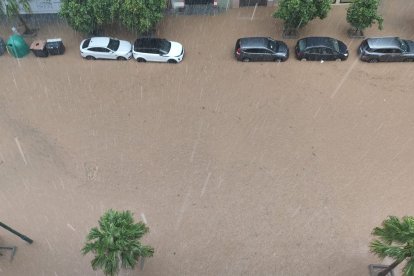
361,14
298,13
89,16
395,239
116,242
10,8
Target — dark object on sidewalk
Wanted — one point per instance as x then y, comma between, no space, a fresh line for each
55,46
12,248
23,237
2,46
38,48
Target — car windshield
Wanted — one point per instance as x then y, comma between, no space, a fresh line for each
113,44
335,44
272,45
403,45
86,43
164,45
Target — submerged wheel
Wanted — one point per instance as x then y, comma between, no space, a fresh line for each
374,60
303,59
246,59
141,60
172,61
408,60
121,58
90,58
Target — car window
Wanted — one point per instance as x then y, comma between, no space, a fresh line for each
326,51
251,51
395,51
94,49
113,44
152,51
314,51
382,51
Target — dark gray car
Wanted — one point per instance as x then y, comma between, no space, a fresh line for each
260,49
386,49
321,48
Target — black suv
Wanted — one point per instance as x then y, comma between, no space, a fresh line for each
260,49
386,49
321,48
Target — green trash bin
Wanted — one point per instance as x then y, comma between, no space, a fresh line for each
16,46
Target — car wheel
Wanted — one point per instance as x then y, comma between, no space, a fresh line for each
141,60
90,58
303,59
121,58
374,60
172,61
246,59
408,60
338,59
278,60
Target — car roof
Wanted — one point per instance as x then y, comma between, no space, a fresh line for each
383,42
148,42
315,41
251,42
99,42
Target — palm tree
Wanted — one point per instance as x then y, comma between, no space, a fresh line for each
395,239
116,242
10,8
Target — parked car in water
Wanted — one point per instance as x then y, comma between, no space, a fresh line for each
321,48
386,49
157,50
260,49
105,48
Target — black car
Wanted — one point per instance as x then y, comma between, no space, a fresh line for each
386,49
321,48
260,49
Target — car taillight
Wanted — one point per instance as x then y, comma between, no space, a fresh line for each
238,51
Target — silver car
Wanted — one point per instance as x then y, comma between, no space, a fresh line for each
386,49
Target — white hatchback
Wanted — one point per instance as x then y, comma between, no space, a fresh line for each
105,48
158,50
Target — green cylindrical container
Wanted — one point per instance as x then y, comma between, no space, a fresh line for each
16,46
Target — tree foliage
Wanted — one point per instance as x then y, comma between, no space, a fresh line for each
88,16
361,14
116,242
395,239
10,8
298,13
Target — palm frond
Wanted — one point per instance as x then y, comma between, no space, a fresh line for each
115,242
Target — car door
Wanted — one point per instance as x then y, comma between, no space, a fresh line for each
267,55
313,53
327,54
253,54
94,51
382,54
396,55
155,55
102,53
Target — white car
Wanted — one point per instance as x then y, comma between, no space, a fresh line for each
105,48
158,50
